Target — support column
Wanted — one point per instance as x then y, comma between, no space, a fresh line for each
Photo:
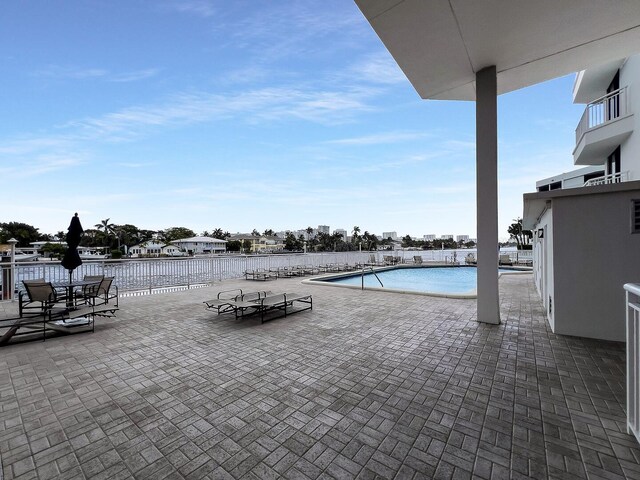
487,195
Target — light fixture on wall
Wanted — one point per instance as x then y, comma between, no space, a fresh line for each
541,233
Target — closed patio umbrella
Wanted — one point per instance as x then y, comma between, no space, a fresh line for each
72,259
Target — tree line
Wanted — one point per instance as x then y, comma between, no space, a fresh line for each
107,234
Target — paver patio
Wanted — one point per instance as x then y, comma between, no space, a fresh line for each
366,385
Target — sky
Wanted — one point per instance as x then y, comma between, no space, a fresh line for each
246,114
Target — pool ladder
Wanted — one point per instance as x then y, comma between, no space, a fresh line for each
371,269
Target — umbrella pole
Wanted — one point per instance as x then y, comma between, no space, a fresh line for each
70,291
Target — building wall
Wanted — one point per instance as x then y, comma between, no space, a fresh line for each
630,149
595,255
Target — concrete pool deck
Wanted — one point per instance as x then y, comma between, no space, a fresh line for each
366,385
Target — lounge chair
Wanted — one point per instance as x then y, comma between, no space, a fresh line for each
222,302
259,274
281,302
417,259
310,270
373,261
505,260
262,302
237,304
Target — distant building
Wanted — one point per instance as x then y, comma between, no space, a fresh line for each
195,245
260,244
574,179
154,249
323,229
429,238
392,235
446,237
462,238
342,232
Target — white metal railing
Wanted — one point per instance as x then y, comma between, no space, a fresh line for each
611,178
633,358
605,109
156,275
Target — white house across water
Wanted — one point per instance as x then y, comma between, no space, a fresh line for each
199,245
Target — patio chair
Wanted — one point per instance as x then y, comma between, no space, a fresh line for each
417,259
99,295
39,298
87,290
470,259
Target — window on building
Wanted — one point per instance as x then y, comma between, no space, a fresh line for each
635,216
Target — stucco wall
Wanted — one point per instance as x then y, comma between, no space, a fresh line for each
630,149
594,255
543,263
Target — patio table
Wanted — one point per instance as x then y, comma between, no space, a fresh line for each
69,286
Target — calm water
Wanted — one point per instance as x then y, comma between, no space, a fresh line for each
458,280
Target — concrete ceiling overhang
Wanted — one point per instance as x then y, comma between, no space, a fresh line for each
591,84
441,44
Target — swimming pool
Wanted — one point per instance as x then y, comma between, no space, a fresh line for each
439,281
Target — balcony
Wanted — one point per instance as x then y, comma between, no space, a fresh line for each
605,123
605,179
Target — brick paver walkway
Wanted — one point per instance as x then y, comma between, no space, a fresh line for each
367,385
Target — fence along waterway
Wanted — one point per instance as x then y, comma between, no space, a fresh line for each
162,274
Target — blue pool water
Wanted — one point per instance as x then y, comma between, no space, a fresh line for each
443,280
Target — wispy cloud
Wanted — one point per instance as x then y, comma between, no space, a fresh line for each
282,29
379,68
58,71
78,73
203,8
134,165
268,103
273,104
135,75
380,138
42,164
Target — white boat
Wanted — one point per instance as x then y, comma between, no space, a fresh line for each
21,257
96,253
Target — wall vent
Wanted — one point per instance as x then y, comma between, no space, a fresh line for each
635,216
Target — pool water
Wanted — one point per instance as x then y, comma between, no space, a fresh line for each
442,280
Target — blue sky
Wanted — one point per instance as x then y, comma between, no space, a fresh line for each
242,115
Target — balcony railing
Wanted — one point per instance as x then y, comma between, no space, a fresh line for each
605,109
611,178
633,358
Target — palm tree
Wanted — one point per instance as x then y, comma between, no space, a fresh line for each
355,236
107,228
